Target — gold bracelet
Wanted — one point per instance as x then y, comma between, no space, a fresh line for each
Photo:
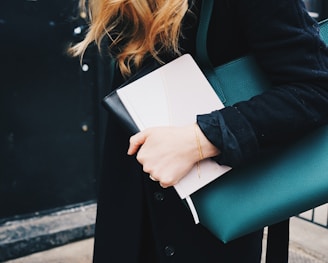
201,156
200,151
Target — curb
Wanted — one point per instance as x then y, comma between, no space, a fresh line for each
22,237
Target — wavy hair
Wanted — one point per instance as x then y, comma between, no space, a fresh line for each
135,28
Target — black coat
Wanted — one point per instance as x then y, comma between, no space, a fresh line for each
137,220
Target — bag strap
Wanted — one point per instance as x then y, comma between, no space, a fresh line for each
201,47
278,234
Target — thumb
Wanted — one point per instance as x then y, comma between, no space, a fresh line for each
135,142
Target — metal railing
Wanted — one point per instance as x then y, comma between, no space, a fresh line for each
318,216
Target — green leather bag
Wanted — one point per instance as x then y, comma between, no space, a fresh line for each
273,189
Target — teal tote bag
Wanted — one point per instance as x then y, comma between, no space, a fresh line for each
272,189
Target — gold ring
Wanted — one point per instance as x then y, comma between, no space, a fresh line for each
152,178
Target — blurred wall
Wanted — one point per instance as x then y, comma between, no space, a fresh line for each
51,120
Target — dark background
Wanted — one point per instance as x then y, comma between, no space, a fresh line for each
51,119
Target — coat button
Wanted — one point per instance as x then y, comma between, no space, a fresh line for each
159,196
169,251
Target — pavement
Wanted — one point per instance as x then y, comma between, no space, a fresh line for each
308,242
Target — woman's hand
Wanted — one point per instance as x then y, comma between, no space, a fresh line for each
169,153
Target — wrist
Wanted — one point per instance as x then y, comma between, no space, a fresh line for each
205,148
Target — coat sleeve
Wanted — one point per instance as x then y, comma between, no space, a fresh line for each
286,43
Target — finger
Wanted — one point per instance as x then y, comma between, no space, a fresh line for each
135,142
163,185
167,183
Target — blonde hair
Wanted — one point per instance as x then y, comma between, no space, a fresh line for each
135,29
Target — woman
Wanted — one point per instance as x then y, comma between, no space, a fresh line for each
141,218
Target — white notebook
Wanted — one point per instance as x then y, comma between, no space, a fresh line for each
173,95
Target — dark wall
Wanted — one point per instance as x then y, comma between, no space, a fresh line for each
324,12
51,121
